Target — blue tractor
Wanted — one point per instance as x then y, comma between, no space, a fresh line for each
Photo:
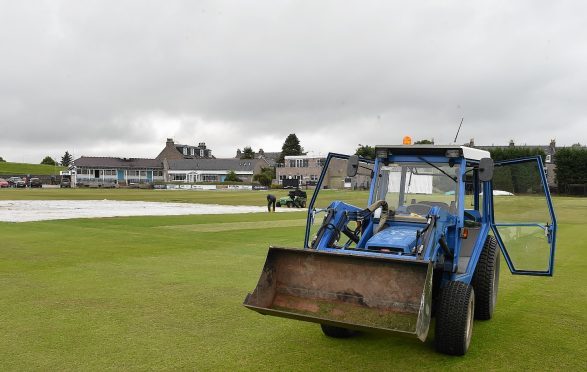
423,241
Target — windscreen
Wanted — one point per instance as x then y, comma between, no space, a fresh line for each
412,189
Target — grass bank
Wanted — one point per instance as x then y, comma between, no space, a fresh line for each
8,168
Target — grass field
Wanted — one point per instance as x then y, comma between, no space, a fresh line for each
23,168
166,292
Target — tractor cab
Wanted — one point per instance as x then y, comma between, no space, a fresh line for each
417,227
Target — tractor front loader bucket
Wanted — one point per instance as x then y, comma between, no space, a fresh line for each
345,290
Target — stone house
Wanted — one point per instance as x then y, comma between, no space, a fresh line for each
174,151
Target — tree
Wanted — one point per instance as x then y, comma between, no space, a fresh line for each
505,153
248,153
291,147
266,176
66,159
47,160
232,177
2,160
424,142
571,167
520,178
367,152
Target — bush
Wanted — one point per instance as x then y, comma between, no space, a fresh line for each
232,177
571,167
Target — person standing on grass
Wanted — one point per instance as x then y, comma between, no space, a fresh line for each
271,199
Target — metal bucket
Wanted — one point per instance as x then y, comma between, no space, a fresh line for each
345,290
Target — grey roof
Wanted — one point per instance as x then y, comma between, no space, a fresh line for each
270,155
244,165
110,162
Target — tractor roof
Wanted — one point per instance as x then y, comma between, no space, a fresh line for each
439,150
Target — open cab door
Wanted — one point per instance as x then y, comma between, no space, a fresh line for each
523,220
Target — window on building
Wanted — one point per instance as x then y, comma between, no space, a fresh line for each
193,151
185,150
201,152
320,162
209,177
298,163
178,177
548,158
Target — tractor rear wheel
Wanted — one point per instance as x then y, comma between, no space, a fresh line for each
337,332
454,318
486,280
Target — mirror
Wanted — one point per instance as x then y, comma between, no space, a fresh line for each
352,166
486,169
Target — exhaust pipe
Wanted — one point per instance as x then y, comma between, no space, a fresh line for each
345,290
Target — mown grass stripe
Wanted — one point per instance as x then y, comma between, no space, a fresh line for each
231,226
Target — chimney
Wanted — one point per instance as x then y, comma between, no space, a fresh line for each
552,144
472,142
169,141
512,144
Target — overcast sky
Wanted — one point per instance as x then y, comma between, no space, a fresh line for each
116,78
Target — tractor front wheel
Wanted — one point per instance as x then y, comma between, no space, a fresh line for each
454,318
289,204
337,332
486,280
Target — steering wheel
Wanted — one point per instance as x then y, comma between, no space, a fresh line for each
386,211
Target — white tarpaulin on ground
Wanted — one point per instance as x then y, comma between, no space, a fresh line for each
40,210
416,183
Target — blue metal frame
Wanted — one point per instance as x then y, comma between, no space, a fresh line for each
329,157
552,227
450,226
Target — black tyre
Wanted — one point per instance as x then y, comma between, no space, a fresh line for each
454,318
337,332
278,204
303,204
486,280
289,204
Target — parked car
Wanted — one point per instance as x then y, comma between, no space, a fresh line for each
4,183
35,182
65,183
20,184
13,180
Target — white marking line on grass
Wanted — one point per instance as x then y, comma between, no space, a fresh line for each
42,210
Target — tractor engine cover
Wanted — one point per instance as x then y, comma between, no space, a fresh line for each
398,238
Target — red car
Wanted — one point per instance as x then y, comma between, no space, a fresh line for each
3,183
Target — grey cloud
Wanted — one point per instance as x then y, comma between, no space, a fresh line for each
118,77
